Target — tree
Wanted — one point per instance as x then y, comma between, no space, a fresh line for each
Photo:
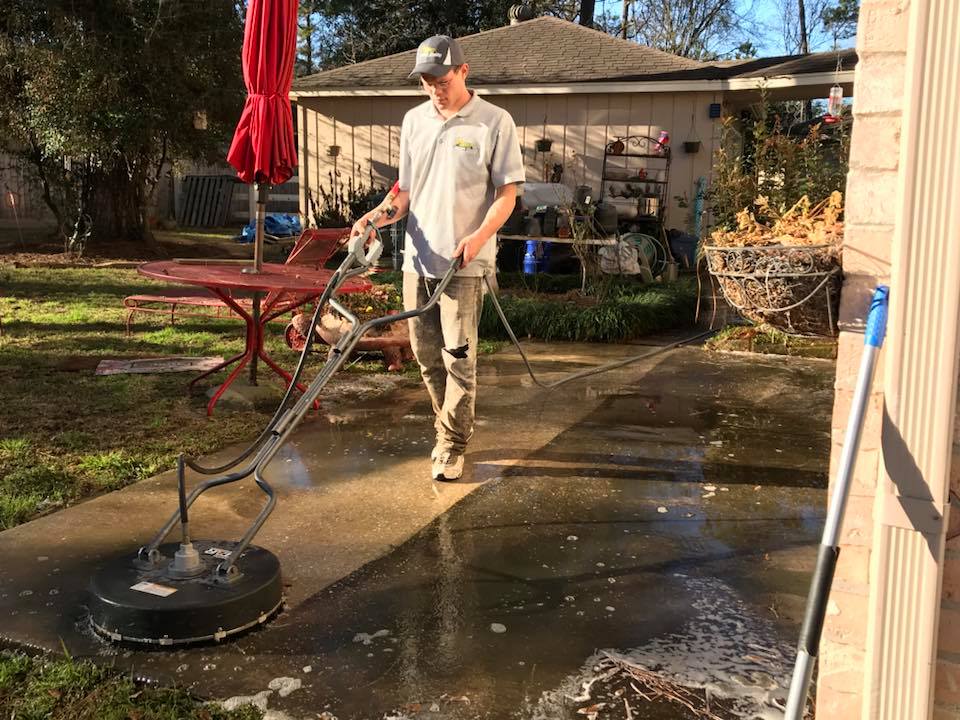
804,36
318,36
840,20
308,40
809,25
375,28
586,12
697,29
744,51
97,95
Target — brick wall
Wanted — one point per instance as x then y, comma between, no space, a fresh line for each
870,216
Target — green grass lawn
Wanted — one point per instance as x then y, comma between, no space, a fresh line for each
63,689
66,433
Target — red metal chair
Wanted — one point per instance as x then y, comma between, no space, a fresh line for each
313,248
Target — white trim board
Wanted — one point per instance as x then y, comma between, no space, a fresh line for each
844,77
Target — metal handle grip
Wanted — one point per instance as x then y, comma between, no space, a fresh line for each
367,257
877,317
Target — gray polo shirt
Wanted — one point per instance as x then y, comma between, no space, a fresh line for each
452,169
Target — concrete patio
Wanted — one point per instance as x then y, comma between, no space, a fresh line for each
667,509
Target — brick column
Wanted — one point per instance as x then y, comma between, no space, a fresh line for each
868,239
909,669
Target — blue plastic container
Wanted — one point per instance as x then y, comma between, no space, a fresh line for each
536,258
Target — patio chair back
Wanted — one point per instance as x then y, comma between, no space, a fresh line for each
312,249
316,246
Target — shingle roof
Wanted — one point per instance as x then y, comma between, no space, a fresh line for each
802,64
822,62
542,50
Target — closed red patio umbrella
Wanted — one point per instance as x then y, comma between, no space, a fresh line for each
263,151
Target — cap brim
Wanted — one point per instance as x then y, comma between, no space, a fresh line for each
435,69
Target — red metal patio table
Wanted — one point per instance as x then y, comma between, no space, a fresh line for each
286,286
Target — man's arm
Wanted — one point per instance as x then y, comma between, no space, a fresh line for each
398,199
496,216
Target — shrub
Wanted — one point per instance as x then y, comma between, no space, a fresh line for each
626,314
761,159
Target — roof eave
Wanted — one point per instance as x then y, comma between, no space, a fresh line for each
608,86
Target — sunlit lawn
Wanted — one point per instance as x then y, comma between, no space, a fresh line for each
66,433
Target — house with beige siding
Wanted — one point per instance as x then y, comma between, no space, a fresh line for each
572,85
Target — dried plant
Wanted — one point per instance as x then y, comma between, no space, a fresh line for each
804,223
783,270
759,158
342,204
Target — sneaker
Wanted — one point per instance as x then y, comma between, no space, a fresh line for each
447,466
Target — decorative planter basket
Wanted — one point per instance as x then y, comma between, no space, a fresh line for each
794,288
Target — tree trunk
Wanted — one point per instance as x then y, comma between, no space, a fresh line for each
807,107
586,12
117,209
804,40
309,44
624,18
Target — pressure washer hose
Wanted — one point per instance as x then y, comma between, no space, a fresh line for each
589,371
342,274
287,417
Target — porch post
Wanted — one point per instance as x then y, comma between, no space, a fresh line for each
920,383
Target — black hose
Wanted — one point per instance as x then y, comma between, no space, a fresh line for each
332,287
590,371
325,297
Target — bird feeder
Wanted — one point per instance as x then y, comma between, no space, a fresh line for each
834,105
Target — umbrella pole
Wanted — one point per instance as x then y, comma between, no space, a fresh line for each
262,191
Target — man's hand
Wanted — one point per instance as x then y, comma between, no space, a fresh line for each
468,249
360,226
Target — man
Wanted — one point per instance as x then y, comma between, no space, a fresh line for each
459,168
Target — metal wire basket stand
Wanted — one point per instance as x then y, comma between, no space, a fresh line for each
794,288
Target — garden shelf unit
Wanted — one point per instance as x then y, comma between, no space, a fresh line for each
636,173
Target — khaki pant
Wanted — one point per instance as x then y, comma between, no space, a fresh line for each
444,341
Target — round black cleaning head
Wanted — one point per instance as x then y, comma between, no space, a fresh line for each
137,604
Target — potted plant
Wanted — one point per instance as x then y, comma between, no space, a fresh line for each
691,145
775,250
333,150
543,145
783,270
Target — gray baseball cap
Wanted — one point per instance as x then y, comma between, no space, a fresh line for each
437,56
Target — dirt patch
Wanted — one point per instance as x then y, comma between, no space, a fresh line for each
47,251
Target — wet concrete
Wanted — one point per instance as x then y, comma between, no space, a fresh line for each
665,511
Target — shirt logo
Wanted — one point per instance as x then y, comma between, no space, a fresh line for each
464,144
